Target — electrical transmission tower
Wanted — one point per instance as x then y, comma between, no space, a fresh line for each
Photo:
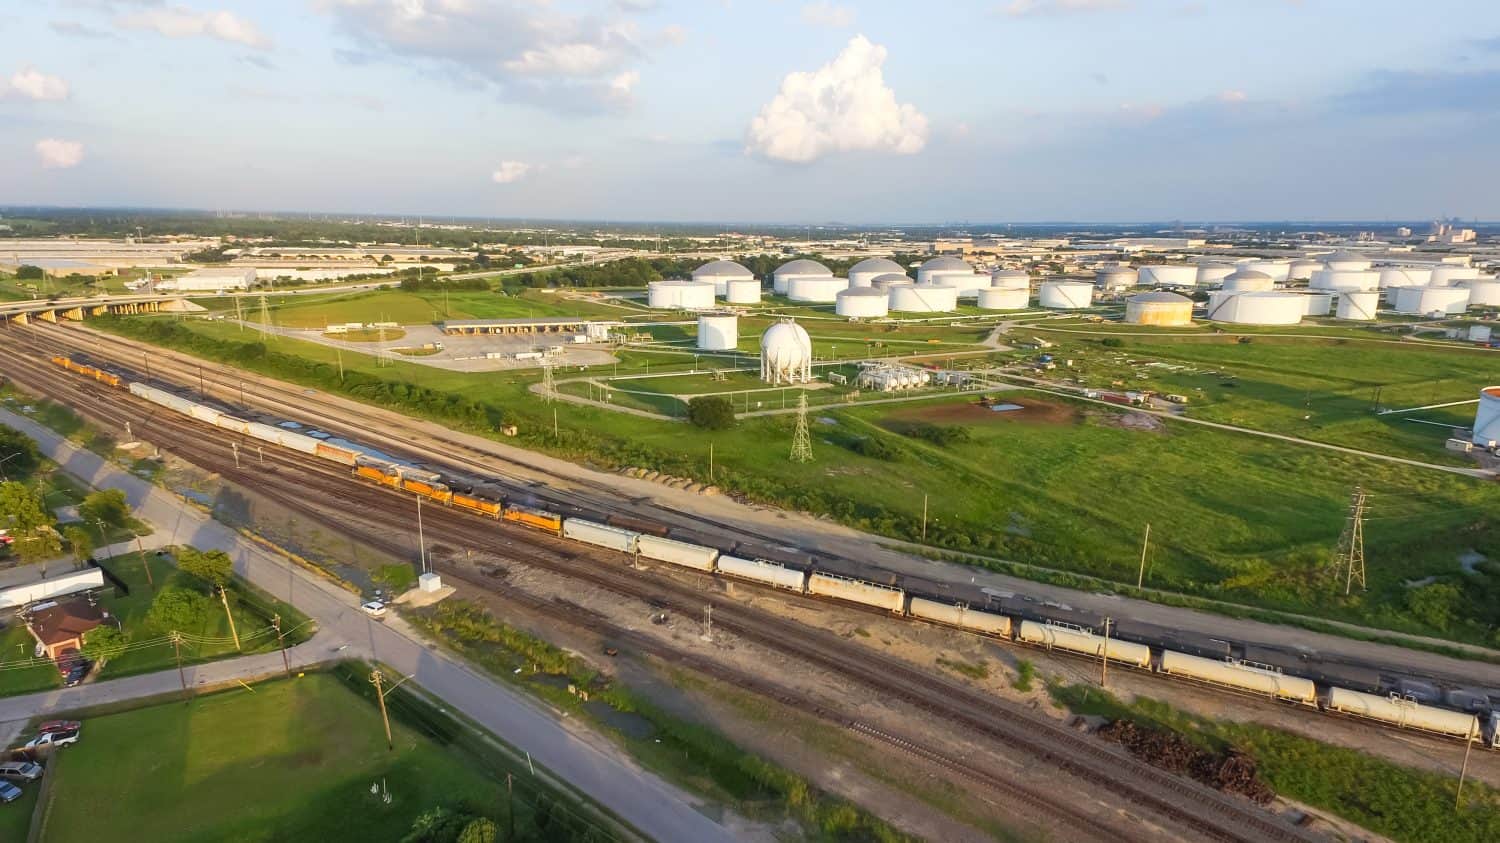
801,439
549,387
1352,542
265,319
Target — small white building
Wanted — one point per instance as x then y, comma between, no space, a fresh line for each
211,280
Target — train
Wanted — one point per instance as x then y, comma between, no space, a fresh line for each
1284,676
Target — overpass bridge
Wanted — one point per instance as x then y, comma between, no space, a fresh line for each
80,308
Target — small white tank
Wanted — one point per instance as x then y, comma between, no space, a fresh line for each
1168,275
1279,271
891,279
1358,305
1247,281
1425,301
1487,417
1447,275
1112,278
1302,270
924,298
821,289
718,331
1404,276
1484,292
742,291
1010,279
1211,274
1066,295
1345,279
863,303
1004,298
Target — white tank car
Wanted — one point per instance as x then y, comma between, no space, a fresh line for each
1404,713
205,413
961,616
1080,641
763,571
602,535
297,442
1234,675
229,422
678,553
856,591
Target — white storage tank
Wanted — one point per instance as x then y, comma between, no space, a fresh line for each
997,298
1247,281
800,268
1066,295
718,331
1279,271
1358,305
862,273
1256,308
720,273
1446,275
863,303
1483,292
1112,278
1168,275
933,270
1344,261
821,290
1404,276
968,285
1302,270
1345,279
1160,308
1425,301
742,291
1487,417
1318,304
889,280
679,294
1010,279
1211,274
924,298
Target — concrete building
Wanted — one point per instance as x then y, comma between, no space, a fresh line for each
595,331
211,280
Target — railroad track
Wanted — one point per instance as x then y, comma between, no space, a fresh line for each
1207,812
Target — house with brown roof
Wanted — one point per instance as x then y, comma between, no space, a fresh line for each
60,627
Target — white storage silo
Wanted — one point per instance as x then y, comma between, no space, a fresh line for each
867,270
1425,301
742,291
1010,279
1066,295
694,295
1280,271
1317,304
1345,261
924,298
1302,270
1358,304
661,294
718,331
1160,308
800,268
1256,308
720,273
1484,292
1004,298
1487,417
1113,278
968,285
1404,276
816,288
889,280
935,269
1446,275
863,303
1210,274
1345,279
1247,281
1168,275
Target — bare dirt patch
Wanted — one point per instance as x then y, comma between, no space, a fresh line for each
1032,411
1133,421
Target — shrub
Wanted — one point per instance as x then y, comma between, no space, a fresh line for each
176,609
937,434
876,448
711,412
1112,342
27,272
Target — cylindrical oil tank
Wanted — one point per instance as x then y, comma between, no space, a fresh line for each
818,288
1302,270
662,294
863,303
933,270
1010,279
601,535
720,273
996,298
684,295
1404,712
1483,292
1168,275
1404,276
961,616
1109,279
924,298
1424,301
718,331
1080,641
687,555
1358,305
1259,308
1345,279
801,268
856,591
889,280
1347,262
1235,675
1446,275
1279,271
1159,308
742,291
1247,281
867,270
764,571
1318,304
968,285
1487,418
1066,295
1211,274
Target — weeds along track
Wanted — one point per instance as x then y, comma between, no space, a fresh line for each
294,480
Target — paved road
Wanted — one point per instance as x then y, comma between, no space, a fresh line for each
582,758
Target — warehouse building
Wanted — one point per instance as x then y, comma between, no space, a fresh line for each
211,280
596,331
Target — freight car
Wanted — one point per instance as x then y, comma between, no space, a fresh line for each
960,616
857,591
1079,640
1405,713
764,571
635,524
600,535
1240,676
693,556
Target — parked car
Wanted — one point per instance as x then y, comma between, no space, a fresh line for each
58,726
74,670
374,609
9,792
21,770
53,739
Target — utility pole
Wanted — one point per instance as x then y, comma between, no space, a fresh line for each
1104,662
145,563
281,643
1140,576
339,353
549,387
376,678
1352,543
224,598
924,517
801,438
421,536
510,809
177,650
710,462
235,446
708,622
202,388
1464,771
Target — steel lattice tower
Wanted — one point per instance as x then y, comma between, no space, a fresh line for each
1352,543
549,388
801,438
265,320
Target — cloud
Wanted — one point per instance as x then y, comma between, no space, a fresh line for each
522,50
32,84
1232,96
74,29
823,13
182,22
1047,8
510,172
841,107
59,154
257,60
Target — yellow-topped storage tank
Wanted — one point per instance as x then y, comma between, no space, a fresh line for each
1159,308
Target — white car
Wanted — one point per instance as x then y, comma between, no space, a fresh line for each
374,609
53,739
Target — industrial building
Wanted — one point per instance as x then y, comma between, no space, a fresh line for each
785,354
211,280
1160,308
1256,308
718,331
595,331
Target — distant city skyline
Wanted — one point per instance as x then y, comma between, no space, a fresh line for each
758,112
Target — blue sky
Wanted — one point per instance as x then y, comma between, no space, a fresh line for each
792,111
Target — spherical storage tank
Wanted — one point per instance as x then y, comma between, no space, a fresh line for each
1280,271
720,273
1247,281
1358,304
1004,298
1484,292
801,268
1010,279
863,303
742,291
1111,278
1487,418
1169,275
1159,308
1210,274
818,288
889,280
862,273
1345,279
785,353
718,331
676,293
1446,275
1066,295
1344,261
924,298
933,270
1302,270
1423,301
1256,308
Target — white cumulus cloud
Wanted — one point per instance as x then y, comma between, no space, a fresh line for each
510,171
843,106
59,154
1232,96
823,13
1038,8
182,22
32,84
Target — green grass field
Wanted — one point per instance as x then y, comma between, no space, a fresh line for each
288,760
394,305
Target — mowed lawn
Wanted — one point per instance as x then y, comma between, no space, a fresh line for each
416,308
292,760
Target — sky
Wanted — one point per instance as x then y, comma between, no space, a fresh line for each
941,111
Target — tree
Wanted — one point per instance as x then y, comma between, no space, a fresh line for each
106,507
436,825
79,541
103,643
27,272
18,454
177,609
711,412
479,830
23,511
214,567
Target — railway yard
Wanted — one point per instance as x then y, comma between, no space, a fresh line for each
1027,760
